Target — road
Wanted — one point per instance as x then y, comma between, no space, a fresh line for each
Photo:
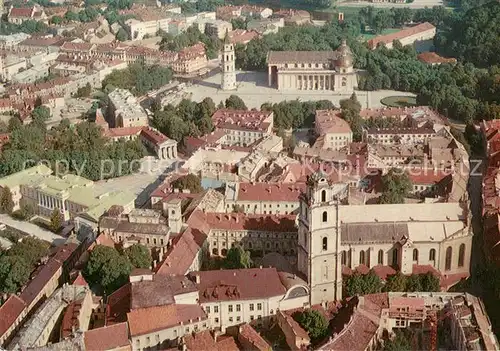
416,4
32,229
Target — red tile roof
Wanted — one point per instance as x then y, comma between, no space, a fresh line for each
250,336
153,136
389,38
427,176
330,121
241,36
192,51
123,132
70,319
36,285
80,280
270,192
148,320
118,305
241,119
204,341
21,12
433,58
242,221
238,284
10,312
383,271
297,329
107,338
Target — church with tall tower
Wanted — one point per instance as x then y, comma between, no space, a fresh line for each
228,66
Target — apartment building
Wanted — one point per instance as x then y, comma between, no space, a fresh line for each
243,127
192,59
333,131
390,136
18,15
218,28
126,110
263,198
232,297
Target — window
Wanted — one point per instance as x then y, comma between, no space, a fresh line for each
251,318
325,243
216,320
238,318
230,319
216,309
432,255
259,307
208,309
325,217
380,256
449,254
343,258
461,255
230,308
361,257
251,307
259,317
238,308
415,255
323,195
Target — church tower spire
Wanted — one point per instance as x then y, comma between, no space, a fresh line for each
228,67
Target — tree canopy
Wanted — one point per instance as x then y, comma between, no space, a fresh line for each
107,268
80,149
190,37
363,284
237,258
139,256
234,102
396,185
415,282
6,202
138,78
189,182
313,322
17,263
188,118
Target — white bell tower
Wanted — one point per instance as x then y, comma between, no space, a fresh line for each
228,66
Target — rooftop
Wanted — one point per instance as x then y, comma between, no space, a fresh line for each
389,38
330,121
242,119
107,338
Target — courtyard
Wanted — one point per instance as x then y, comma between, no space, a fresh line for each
252,87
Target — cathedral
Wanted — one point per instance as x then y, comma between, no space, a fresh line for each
312,70
334,237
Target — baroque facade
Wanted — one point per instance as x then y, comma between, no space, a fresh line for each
312,70
333,237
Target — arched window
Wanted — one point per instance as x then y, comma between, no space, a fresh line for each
415,255
325,217
449,253
325,243
432,255
380,256
343,258
461,255
361,257
323,195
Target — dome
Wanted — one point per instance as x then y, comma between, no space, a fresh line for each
344,58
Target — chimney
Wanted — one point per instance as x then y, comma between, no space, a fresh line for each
197,279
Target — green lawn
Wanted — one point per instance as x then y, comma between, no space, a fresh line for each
369,36
399,101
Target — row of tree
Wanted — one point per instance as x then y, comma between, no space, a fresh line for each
109,268
370,283
80,149
17,263
139,78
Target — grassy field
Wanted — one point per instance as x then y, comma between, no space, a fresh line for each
399,101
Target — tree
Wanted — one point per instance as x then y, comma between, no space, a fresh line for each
396,185
399,342
121,35
413,283
55,220
396,282
14,273
237,258
6,202
190,182
239,23
40,115
26,211
84,91
56,20
313,322
429,282
107,268
235,102
359,284
30,249
14,124
139,256
351,109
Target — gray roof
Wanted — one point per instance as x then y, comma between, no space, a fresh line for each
143,228
373,232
